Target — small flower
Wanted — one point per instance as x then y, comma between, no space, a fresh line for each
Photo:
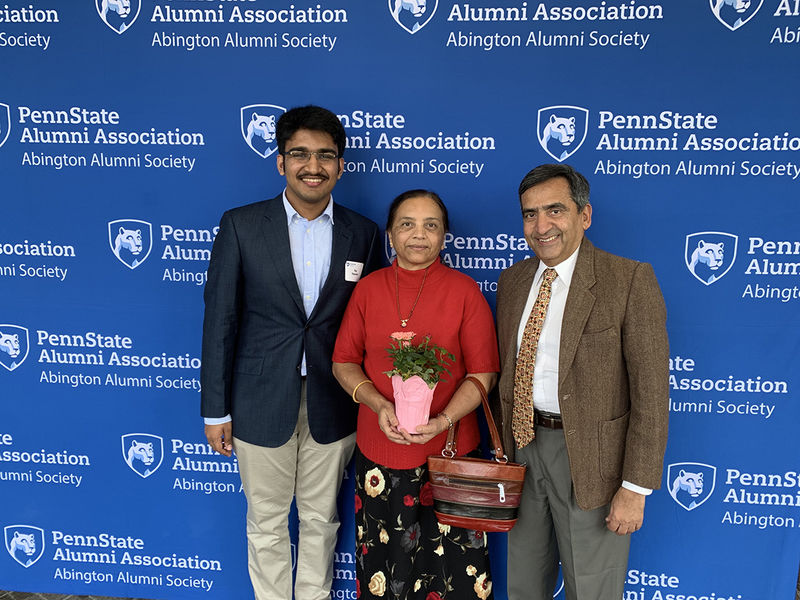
477,539
410,538
417,585
364,549
444,529
439,550
374,482
377,584
433,596
383,536
471,570
426,494
482,587
358,504
403,337
409,500
358,588
360,532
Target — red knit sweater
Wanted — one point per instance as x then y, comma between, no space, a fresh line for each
452,310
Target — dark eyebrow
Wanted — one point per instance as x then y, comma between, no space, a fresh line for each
305,149
548,207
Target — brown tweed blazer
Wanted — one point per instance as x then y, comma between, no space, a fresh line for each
613,382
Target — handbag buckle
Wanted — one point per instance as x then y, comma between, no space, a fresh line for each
502,460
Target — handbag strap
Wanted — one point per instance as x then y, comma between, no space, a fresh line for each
497,445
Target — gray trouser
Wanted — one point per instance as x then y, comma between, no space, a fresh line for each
552,527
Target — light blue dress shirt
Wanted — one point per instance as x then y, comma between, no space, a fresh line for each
310,243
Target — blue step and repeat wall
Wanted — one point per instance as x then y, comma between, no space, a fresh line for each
128,126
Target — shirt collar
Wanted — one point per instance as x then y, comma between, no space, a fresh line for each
291,213
564,269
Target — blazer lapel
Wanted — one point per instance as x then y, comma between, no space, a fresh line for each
518,297
580,301
276,235
342,238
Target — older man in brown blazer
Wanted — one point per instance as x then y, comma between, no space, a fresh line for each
583,395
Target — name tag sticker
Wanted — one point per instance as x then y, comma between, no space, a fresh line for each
352,270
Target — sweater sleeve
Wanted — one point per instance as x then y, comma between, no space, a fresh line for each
351,339
477,336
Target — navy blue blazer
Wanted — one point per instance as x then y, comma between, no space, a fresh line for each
255,328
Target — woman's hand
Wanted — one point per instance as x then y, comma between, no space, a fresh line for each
425,433
387,421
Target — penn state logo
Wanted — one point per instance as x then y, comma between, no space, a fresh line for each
13,346
710,254
562,130
143,452
119,15
734,13
387,247
691,484
413,15
5,123
131,241
258,127
25,543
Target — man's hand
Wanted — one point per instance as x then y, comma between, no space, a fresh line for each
221,437
627,512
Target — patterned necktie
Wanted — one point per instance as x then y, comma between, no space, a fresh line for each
522,421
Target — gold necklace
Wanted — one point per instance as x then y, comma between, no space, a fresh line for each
404,322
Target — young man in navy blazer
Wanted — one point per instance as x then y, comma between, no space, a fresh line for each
280,276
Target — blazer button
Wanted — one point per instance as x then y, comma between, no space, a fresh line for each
565,397
571,432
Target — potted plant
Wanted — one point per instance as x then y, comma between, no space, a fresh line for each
417,368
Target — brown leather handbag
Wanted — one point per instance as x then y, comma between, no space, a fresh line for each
476,493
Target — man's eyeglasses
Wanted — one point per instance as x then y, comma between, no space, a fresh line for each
302,156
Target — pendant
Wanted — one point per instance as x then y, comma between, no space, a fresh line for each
403,322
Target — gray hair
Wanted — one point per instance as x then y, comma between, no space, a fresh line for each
578,186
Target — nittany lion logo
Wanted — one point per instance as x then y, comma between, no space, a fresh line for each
734,13
710,254
119,15
13,345
387,248
131,241
562,130
691,484
258,127
143,452
5,123
413,15
25,543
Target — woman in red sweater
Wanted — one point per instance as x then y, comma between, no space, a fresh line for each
402,551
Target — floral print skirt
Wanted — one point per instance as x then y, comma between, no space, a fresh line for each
402,551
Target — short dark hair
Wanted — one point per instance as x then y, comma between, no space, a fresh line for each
578,186
313,118
416,194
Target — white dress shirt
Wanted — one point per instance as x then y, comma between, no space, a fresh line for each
545,371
